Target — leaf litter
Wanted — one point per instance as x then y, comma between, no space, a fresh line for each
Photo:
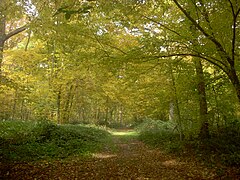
129,159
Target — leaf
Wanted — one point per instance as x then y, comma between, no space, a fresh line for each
68,15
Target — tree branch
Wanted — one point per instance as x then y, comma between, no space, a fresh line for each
15,32
193,55
234,15
206,17
208,57
114,47
218,45
164,26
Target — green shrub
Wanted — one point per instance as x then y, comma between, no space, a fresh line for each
223,146
156,125
160,133
15,132
26,141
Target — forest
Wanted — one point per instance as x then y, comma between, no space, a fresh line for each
79,75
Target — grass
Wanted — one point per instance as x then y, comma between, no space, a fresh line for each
125,135
31,141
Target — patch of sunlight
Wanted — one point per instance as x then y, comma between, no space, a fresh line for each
141,178
124,133
172,162
104,155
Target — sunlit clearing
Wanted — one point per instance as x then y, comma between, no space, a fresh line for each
104,156
125,133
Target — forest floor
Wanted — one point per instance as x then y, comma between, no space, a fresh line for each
126,158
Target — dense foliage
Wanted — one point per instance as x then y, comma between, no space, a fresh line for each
221,148
27,141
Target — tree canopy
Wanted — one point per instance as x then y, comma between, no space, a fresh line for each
119,62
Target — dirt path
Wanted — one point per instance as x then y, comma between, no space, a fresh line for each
130,159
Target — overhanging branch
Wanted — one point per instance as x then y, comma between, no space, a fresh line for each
218,45
193,55
15,32
161,24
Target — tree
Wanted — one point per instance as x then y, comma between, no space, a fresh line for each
224,51
117,61
171,30
5,12
203,109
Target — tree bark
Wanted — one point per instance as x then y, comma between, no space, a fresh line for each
1,57
176,111
59,107
2,38
204,130
67,107
232,75
171,111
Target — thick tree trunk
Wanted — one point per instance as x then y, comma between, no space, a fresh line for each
67,107
204,130
232,74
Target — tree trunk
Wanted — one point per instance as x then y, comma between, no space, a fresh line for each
232,74
67,107
2,39
5,36
14,109
171,111
1,59
176,111
121,114
58,106
204,130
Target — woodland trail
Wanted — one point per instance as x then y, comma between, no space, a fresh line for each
129,159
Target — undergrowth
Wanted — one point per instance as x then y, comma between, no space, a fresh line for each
30,141
222,148
159,134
